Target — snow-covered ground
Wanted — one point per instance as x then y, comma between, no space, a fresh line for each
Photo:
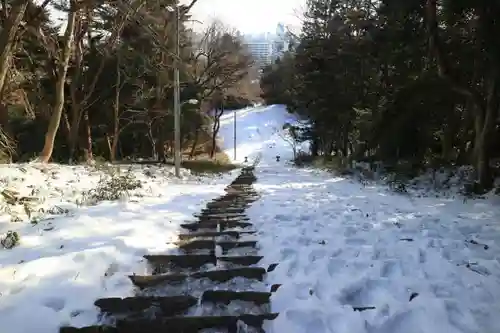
427,265
257,131
72,251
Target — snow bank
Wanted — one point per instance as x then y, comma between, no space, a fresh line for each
71,254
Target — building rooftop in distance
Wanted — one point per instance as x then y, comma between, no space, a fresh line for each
266,47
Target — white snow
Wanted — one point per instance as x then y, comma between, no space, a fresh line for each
338,243
65,262
256,130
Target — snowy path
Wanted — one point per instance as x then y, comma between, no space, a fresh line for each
414,265
213,283
426,265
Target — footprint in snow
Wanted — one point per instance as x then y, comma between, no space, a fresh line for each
55,303
79,257
309,321
355,241
391,268
363,293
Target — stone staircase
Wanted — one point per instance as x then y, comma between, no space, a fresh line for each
213,284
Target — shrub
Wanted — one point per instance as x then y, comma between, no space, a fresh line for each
116,187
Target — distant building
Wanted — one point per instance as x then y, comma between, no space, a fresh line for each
280,44
261,51
266,48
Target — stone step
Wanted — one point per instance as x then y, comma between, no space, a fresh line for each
224,225
220,216
243,191
207,234
146,281
190,324
227,209
256,273
227,204
228,245
162,263
226,296
241,260
217,219
242,186
228,197
244,179
163,306
222,211
193,324
197,244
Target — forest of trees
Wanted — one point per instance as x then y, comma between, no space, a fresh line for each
98,82
413,81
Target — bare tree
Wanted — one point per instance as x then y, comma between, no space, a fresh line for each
220,62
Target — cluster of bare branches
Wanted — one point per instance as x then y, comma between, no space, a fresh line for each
107,74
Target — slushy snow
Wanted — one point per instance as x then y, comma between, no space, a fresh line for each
413,264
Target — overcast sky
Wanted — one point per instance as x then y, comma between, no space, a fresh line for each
249,16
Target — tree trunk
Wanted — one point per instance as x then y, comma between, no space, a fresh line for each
74,129
152,140
75,91
116,111
195,143
484,128
8,37
88,155
62,71
215,131
314,147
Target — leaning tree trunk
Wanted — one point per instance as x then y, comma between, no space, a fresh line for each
55,119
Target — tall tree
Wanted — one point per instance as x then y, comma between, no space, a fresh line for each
62,71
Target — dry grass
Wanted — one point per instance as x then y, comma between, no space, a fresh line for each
202,163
